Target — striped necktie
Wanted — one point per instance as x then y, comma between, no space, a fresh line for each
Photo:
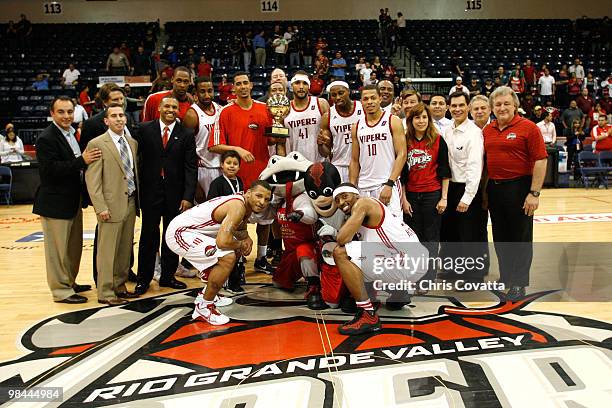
127,167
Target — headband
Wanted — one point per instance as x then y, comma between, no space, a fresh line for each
345,189
300,77
336,83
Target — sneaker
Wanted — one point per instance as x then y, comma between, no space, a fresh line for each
235,288
219,301
183,272
210,314
515,293
262,265
365,321
314,301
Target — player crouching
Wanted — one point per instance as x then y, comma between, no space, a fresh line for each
212,236
373,223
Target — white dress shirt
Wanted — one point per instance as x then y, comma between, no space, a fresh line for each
548,131
10,153
465,156
442,124
170,128
71,139
116,138
80,114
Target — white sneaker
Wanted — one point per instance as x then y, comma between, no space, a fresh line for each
219,301
210,314
183,272
157,270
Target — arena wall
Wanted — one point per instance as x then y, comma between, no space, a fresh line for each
83,11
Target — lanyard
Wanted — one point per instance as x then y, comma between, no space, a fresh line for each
231,184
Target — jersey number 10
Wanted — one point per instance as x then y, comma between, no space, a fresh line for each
371,150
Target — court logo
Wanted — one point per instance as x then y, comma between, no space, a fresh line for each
277,353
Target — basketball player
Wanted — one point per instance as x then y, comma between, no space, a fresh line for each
201,117
373,223
378,152
210,234
304,119
335,136
181,80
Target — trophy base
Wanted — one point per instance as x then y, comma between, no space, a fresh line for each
272,131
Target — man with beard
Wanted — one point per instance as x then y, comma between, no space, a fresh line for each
212,236
378,152
438,106
373,223
335,141
304,119
181,80
241,127
201,117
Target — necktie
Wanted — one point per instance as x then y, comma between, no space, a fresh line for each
127,167
165,136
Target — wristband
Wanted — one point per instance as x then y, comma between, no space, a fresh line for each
390,183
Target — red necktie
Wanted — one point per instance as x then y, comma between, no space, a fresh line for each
165,137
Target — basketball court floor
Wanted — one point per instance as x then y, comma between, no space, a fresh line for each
446,349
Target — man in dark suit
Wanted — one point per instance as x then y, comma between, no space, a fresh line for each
59,198
168,179
93,127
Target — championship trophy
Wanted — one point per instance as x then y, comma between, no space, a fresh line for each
278,105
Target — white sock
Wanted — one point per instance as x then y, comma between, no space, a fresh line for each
365,304
261,251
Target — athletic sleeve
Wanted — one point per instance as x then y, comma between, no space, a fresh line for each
148,111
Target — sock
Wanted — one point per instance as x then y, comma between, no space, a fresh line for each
366,305
261,251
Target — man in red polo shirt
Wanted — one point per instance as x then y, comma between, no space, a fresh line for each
602,134
241,127
516,165
181,80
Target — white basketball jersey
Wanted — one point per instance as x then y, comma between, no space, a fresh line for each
340,127
304,126
199,219
205,124
391,229
376,151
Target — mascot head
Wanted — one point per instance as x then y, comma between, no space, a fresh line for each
286,173
320,181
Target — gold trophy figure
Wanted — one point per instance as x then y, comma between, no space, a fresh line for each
278,105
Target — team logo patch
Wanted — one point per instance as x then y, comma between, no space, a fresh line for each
511,136
277,353
210,250
253,126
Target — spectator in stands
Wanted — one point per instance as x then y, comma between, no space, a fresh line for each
501,74
574,140
8,128
225,90
365,74
373,78
602,135
360,65
537,115
577,69
321,45
378,67
459,87
339,67
80,114
516,165
234,48
528,104
142,62
171,56
70,76
455,63
480,111
322,64
529,73
516,80
390,71
117,63
126,51
41,83
192,57
397,84
401,25
280,49
474,87
546,85
317,85
570,114
247,50
259,47
24,31
596,111
161,83
293,49
11,35
573,87
204,67
590,84
585,103
193,70
307,51
549,132
438,106
11,148
556,113
488,87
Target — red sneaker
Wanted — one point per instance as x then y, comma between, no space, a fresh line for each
365,321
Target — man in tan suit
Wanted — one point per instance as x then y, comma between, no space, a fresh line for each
113,188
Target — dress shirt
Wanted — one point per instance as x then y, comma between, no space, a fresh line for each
116,138
548,131
465,156
170,129
69,135
442,124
